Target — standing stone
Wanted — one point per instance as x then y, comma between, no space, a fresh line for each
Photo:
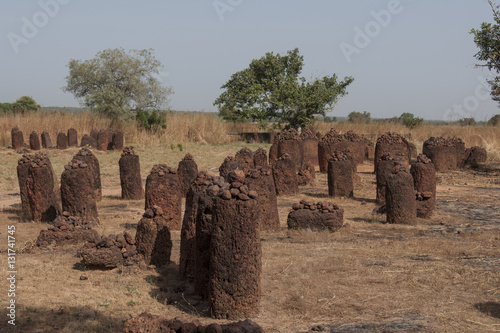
261,181
392,143
34,141
88,141
235,258
163,189
130,175
385,166
17,138
289,142
85,155
46,141
62,141
72,138
400,197
285,179
117,140
77,192
229,164
244,157
43,194
356,146
273,153
424,181
187,171
109,132
153,240
102,140
475,155
445,153
23,166
306,175
340,175
315,216
369,149
310,145
94,134
260,158
331,142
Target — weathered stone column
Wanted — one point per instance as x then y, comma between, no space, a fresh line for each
229,164
285,179
260,158
310,147
130,175
72,138
401,202
34,141
187,171
46,141
289,142
261,181
62,141
86,156
392,143
17,138
340,175
152,239
244,157
331,142
23,166
424,180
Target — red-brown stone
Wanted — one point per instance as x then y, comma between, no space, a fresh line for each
424,181
72,138
34,141
285,178
316,216
130,175
187,171
89,158
46,141
17,138
153,239
401,204
261,180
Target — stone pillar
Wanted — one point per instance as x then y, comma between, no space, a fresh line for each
34,141
89,141
78,195
94,134
43,194
340,175
130,175
331,142
163,189
92,162
289,142
392,143
310,148
117,140
273,153
17,138
401,205
229,164
62,141
153,239
315,216
72,138
261,181
424,181
46,141
235,258
102,140
356,146
475,155
23,166
285,179
244,157
260,158
187,171
384,168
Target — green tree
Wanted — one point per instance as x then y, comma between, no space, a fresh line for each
487,40
359,118
410,121
271,89
5,108
24,104
118,84
495,120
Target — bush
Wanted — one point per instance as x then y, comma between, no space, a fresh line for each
410,121
494,121
151,121
467,122
359,118
25,104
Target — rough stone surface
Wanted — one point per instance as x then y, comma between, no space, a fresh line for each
315,216
285,179
46,141
148,323
306,175
110,251
393,143
235,259
62,141
163,189
385,166
289,142
153,239
261,181
310,147
445,153
89,158
117,140
475,155
424,181
273,153
260,158
340,175
130,175
23,166
229,164
94,134
356,145
88,141
17,138
401,205
34,141
43,190
369,149
102,140
66,230
331,142
78,195
244,157
72,138
187,171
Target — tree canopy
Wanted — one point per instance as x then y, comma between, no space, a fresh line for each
118,84
271,89
359,118
487,40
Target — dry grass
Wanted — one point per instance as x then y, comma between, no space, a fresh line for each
442,275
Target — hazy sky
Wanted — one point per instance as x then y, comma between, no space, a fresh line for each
406,56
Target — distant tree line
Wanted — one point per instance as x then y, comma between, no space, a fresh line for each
21,106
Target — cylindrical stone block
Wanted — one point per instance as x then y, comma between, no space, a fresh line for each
392,143
17,138
310,148
315,216
384,168
102,140
230,164
401,205
244,157
235,259
62,141
475,155
331,142
130,175
260,158
187,171
273,153
77,192
94,134
72,138
340,177
153,238
424,181
163,189
86,156
23,166
285,178
34,141
88,141
118,140
261,181
294,149
46,141
356,146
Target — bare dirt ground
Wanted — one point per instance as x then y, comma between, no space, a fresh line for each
442,275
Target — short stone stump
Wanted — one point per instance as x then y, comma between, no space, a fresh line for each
315,216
